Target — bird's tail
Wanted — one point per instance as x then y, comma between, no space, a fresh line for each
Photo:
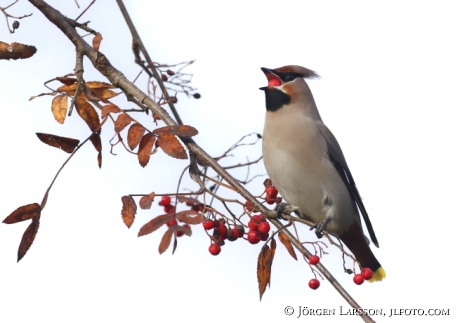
355,240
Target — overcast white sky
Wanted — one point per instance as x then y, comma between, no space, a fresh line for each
388,91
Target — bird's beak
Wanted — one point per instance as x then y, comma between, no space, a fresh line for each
272,77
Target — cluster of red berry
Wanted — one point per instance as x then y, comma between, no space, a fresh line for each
166,203
169,209
258,231
270,194
365,274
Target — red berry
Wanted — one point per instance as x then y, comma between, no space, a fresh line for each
358,279
214,249
264,236
171,222
253,226
169,209
270,200
208,224
313,283
254,237
165,200
258,218
232,234
367,273
222,229
313,260
248,206
264,227
164,77
240,230
271,191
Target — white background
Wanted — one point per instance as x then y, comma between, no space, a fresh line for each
388,91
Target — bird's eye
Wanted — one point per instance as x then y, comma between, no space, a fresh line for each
289,78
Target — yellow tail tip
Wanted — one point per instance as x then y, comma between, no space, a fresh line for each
378,275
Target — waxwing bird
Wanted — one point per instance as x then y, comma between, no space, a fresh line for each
307,166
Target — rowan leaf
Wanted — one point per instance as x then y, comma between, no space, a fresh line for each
59,108
96,141
170,145
146,201
190,217
188,200
25,212
99,159
166,240
128,212
28,237
145,149
97,41
87,113
99,85
109,108
185,229
287,243
135,133
182,130
122,121
154,224
66,144
66,80
16,50
103,93
264,267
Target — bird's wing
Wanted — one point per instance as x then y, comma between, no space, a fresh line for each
338,160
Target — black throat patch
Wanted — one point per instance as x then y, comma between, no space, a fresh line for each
275,99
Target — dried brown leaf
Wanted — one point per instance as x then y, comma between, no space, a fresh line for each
128,212
87,113
154,224
16,50
287,243
135,133
97,41
264,266
272,250
263,270
70,89
59,108
166,240
103,93
185,229
109,108
182,130
146,201
190,200
190,217
66,144
66,80
145,149
23,213
28,237
170,145
122,121
99,85
96,141
99,159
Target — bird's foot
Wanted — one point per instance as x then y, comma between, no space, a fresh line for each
283,209
320,227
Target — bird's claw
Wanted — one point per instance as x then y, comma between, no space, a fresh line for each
320,227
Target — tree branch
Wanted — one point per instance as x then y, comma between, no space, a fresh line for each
102,64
